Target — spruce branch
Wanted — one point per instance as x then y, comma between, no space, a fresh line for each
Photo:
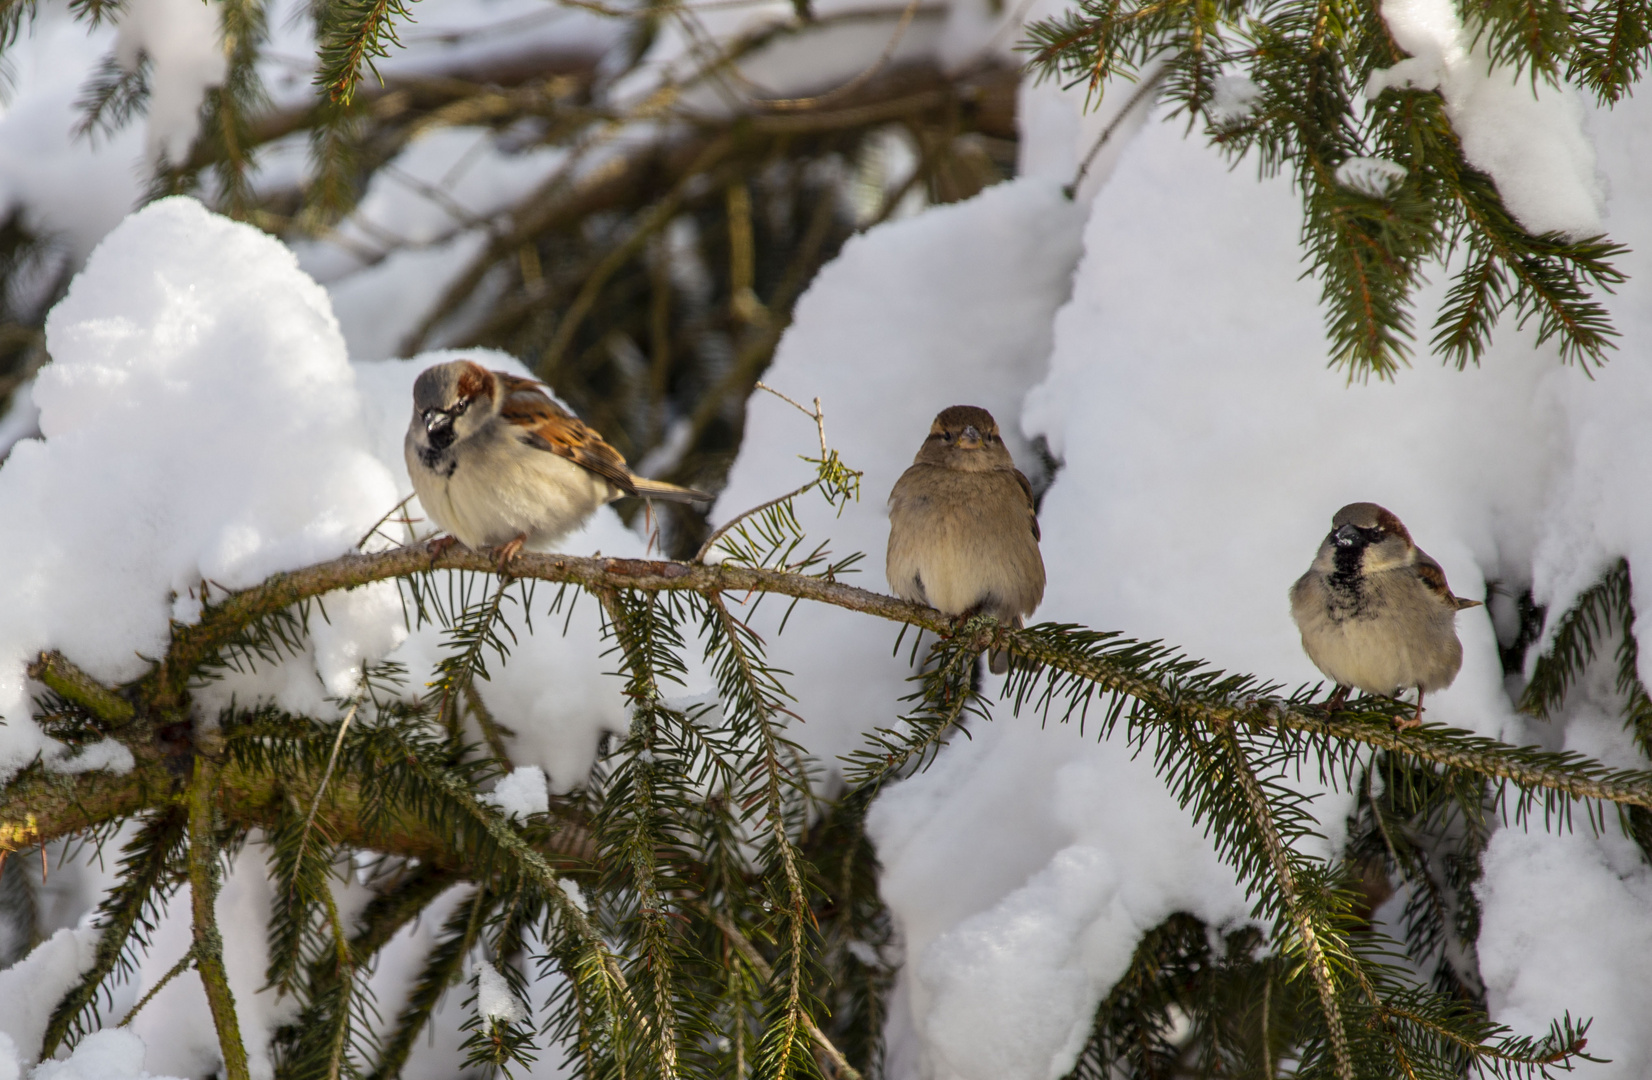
1303,922
750,696
1113,664
398,782
635,816
204,868
1311,64
352,34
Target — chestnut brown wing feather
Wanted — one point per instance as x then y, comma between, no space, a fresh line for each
548,426
1433,575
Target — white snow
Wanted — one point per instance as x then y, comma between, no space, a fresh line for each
1530,139
520,793
201,424
1564,915
494,1000
111,1054
1376,177
571,891
105,754
1023,866
1235,99
31,988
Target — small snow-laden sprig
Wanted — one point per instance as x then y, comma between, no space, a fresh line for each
1312,106
500,1035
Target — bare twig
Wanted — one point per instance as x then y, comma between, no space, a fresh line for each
819,417
860,80
321,788
1147,87
55,670
816,414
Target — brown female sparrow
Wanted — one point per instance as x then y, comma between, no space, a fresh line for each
496,463
963,536
1375,612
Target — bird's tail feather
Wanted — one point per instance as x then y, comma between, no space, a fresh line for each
657,489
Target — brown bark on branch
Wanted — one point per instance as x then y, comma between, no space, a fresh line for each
60,805
221,621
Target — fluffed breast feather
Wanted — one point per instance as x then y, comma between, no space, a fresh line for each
1407,637
949,546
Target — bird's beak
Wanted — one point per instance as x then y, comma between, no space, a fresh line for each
1345,536
437,419
970,438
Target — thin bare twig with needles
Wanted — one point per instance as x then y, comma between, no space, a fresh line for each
819,417
321,788
1147,88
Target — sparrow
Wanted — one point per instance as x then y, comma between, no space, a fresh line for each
1375,612
497,463
963,535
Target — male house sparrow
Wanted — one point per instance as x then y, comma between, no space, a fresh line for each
1375,612
963,537
496,463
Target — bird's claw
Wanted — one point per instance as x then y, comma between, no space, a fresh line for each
1406,723
508,551
439,546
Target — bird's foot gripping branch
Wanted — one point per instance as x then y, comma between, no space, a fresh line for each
702,833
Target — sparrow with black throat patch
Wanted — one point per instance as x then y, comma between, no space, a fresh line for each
963,534
497,463
1375,612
